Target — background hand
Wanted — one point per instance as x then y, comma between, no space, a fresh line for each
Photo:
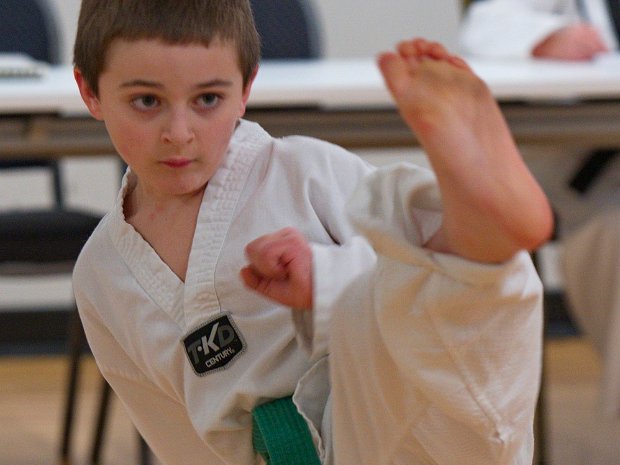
577,42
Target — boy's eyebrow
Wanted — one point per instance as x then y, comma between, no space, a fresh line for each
157,85
215,83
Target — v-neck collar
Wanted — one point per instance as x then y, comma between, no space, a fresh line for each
198,294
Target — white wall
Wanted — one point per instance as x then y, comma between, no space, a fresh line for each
350,27
366,27
66,13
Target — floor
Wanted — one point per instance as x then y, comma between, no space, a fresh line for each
31,399
31,403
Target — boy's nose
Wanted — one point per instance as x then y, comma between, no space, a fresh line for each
178,129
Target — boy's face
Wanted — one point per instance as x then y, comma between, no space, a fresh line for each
170,110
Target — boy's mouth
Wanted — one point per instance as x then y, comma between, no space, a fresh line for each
177,162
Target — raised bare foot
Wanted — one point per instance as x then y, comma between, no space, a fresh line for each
492,204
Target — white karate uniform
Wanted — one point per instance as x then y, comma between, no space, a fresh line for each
459,376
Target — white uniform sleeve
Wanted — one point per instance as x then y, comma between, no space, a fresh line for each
347,254
335,268
434,359
511,28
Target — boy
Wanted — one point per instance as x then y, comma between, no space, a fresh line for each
191,352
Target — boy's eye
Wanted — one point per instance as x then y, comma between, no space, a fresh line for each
207,100
145,102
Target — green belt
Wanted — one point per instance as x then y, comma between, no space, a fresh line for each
281,436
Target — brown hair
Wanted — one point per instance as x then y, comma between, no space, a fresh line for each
172,21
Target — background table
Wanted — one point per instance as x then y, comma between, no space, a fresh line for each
340,100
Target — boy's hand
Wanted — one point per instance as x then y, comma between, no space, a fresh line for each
280,268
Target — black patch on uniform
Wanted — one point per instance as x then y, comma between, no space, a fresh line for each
214,345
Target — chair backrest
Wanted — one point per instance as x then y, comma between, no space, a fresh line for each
288,29
27,26
466,3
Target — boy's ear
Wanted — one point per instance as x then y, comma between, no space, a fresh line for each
247,90
88,96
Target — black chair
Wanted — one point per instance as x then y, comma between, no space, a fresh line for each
288,29
39,241
28,27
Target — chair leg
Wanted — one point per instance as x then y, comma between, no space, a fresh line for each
77,342
100,426
145,452
593,166
541,446
102,415
540,427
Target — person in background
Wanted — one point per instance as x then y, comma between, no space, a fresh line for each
584,184
573,30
